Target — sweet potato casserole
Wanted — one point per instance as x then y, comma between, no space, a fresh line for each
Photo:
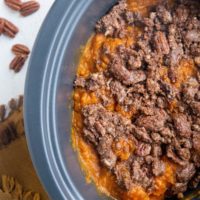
136,119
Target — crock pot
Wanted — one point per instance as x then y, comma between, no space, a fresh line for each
48,96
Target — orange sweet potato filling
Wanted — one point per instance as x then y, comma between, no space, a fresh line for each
94,172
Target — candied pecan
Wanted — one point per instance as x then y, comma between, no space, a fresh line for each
118,91
80,82
13,4
156,137
189,91
196,141
193,36
184,174
141,134
29,8
156,150
196,60
195,181
143,149
178,188
175,56
140,175
95,81
196,159
164,14
18,62
155,122
182,125
119,71
123,176
20,49
172,155
158,167
113,23
161,43
108,158
196,108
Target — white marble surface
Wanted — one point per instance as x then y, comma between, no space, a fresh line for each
11,84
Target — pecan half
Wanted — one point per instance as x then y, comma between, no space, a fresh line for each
1,25
2,112
29,8
20,100
8,28
20,49
12,104
18,62
13,4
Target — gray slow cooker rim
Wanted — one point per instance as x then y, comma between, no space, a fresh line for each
39,87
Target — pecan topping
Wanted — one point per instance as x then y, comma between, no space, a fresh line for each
20,49
18,62
29,7
13,4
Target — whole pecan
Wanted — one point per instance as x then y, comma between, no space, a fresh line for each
13,4
18,62
1,25
2,112
12,104
8,28
20,49
29,7
20,100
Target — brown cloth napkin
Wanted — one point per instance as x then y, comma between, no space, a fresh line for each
18,178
